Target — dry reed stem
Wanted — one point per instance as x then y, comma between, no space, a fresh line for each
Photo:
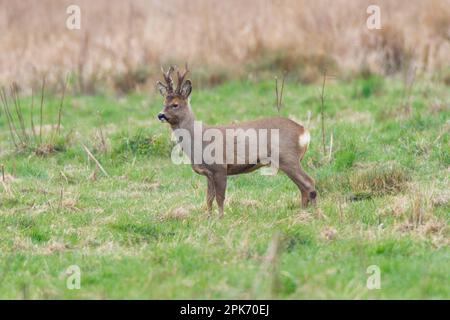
33,129
272,259
95,160
279,95
11,125
61,196
41,110
61,105
322,111
331,148
4,184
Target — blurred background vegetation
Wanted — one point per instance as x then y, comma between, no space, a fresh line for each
121,44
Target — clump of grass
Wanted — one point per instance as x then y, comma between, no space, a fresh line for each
379,179
368,86
143,143
210,77
304,68
345,158
100,141
128,81
30,139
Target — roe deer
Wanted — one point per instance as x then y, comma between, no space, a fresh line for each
290,147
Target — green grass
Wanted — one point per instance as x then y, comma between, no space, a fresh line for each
143,232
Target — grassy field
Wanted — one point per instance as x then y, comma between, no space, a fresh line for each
142,231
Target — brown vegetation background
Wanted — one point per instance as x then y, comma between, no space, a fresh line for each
121,44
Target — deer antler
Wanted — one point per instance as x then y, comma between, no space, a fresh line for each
181,78
168,79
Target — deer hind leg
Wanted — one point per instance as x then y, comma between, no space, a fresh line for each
220,185
303,181
210,195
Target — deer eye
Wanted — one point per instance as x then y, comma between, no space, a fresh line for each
174,106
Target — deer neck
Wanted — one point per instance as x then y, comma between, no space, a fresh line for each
187,123
194,131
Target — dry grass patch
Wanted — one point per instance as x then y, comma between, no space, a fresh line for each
8,178
434,229
438,106
416,214
244,203
302,217
379,179
396,207
21,244
329,233
354,117
178,213
441,199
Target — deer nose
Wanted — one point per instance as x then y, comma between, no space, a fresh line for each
161,116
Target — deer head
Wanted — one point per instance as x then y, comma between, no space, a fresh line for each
176,101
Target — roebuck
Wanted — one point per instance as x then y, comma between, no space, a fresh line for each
285,149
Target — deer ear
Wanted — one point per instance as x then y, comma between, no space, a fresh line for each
186,89
162,88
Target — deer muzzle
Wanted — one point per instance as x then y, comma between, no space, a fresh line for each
162,117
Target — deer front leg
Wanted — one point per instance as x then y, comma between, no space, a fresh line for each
304,182
305,198
220,184
210,195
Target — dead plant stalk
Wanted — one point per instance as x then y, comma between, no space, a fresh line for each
90,155
322,111
279,95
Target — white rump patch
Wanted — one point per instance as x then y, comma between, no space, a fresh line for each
303,140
